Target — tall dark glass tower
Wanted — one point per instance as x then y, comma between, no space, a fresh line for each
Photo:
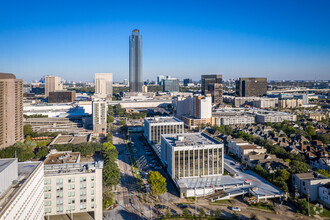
135,62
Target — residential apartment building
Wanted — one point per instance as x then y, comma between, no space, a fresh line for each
242,149
103,84
274,117
52,84
265,103
247,87
21,190
100,110
307,184
290,103
11,110
71,186
183,106
212,84
191,155
202,107
154,127
234,120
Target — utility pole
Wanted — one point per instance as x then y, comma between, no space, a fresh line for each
308,202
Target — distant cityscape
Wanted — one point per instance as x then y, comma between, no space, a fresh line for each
163,147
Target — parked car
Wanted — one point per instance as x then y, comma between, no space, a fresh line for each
236,209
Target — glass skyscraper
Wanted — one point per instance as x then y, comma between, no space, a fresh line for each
135,62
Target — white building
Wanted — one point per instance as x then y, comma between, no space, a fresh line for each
100,109
154,127
191,155
71,186
183,106
265,103
21,190
205,107
234,120
103,84
52,84
272,116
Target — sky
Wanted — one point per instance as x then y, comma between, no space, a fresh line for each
277,39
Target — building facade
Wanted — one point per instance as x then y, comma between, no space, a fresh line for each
156,126
61,96
71,186
160,79
212,84
202,107
52,84
171,85
275,117
186,82
290,103
11,110
99,116
246,87
234,120
264,103
135,62
21,190
103,84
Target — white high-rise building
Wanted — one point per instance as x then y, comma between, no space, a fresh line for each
99,106
21,190
103,84
52,84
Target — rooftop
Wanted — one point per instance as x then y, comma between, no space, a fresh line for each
189,139
5,163
62,157
7,76
72,168
163,120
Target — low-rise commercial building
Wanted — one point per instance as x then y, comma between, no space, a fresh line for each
263,117
21,190
191,155
71,186
61,96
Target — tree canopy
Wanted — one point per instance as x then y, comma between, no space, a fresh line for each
157,183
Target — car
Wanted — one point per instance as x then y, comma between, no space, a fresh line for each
182,206
157,168
236,209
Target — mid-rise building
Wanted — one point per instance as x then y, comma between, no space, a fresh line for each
52,84
103,84
186,82
99,115
183,106
61,96
247,87
11,110
274,117
290,103
160,79
135,62
264,103
191,155
21,190
234,120
154,127
202,107
212,84
171,85
71,186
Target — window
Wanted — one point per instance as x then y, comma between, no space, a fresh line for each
47,181
92,205
92,199
92,178
59,181
71,194
92,185
59,209
83,206
59,201
82,192
48,203
71,201
83,185
48,196
48,210
71,180
59,187
59,195
47,188
71,186
82,200
82,179
92,192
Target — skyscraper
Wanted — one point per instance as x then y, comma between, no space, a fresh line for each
52,84
212,84
103,84
11,110
247,87
135,62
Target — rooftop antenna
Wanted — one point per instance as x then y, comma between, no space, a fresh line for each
15,154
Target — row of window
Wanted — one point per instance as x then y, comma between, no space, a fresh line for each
70,180
70,201
70,194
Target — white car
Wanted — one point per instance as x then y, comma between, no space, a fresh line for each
236,209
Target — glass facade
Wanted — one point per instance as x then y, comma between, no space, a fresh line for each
157,130
135,62
171,85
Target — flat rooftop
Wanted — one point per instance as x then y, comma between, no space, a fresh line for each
71,139
163,120
189,139
62,157
4,163
25,169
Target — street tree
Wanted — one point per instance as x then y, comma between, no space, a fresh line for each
157,183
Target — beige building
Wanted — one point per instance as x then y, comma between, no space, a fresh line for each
103,84
52,84
99,116
71,186
11,110
290,103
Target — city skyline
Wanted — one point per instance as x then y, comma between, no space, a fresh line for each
236,40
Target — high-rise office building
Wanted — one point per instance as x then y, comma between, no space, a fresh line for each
103,84
248,87
160,79
187,81
135,62
171,85
11,110
52,84
202,107
212,84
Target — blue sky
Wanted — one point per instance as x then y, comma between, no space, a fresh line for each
74,39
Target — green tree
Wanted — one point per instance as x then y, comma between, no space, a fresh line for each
201,212
282,174
27,129
168,213
42,152
310,131
122,122
324,172
157,183
185,212
253,216
28,138
298,167
217,213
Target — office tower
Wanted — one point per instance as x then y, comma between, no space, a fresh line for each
61,96
72,186
135,62
21,189
248,87
186,82
212,84
99,107
170,85
160,79
202,107
52,84
103,84
183,106
11,110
